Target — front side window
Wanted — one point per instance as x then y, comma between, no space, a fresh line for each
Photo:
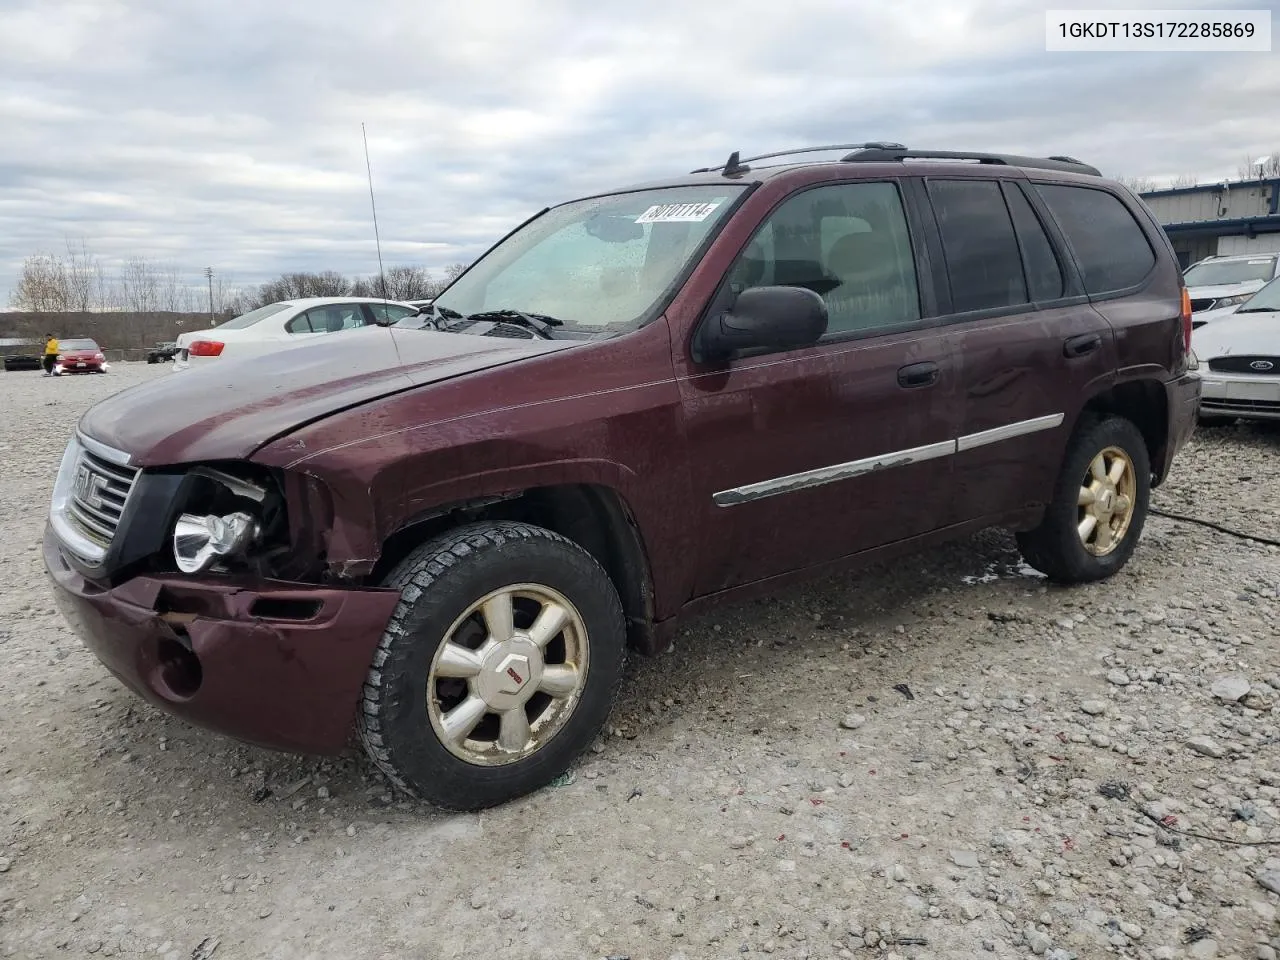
983,262
849,244
1112,250
601,265
389,312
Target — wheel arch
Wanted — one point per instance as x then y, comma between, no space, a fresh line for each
1145,403
594,516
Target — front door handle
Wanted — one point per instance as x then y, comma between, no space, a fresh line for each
1081,344
918,374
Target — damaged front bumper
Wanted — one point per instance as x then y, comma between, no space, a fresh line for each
271,663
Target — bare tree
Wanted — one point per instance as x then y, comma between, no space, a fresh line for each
291,286
1185,180
405,282
1138,184
139,286
453,271
84,278
1264,168
42,285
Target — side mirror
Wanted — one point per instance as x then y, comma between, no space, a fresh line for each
775,318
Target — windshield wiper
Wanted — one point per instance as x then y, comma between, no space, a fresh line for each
538,322
1258,310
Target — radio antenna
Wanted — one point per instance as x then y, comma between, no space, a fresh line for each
382,277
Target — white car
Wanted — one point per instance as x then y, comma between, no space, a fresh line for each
1239,361
288,323
1218,283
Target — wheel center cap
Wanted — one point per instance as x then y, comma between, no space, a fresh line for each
1107,500
513,673
510,674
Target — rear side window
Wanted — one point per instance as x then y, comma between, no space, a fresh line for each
1109,245
1044,274
983,262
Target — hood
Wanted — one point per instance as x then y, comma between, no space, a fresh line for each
227,411
1255,334
1212,316
1216,291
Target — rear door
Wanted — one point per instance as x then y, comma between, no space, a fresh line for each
802,456
1029,346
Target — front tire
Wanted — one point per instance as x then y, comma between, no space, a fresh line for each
498,668
1099,506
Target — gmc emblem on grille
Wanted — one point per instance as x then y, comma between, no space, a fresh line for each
1261,365
88,487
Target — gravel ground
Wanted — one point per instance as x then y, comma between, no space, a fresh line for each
944,759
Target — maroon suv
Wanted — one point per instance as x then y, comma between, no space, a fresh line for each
446,533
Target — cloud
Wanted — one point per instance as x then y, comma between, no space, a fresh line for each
230,134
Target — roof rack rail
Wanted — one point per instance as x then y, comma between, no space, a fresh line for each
873,154
736,166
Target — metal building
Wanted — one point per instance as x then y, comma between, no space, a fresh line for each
1237,216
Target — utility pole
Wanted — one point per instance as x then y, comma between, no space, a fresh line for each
208,272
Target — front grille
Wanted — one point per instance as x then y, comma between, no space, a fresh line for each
98,494
1245,364
1198,305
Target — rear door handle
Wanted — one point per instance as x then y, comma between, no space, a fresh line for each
1081,344
918,374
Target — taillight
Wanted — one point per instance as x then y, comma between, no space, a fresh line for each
206,348
1186,318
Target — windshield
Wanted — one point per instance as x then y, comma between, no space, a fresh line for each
1230,271
1266,300
252,317
601,265
66,345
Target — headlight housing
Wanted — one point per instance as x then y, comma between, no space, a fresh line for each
199,541
1230,301
223,520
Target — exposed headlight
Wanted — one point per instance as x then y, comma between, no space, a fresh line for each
198,541
1230,301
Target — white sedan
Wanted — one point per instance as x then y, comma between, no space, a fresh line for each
278,326
1239,361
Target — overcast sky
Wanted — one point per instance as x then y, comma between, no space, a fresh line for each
228,133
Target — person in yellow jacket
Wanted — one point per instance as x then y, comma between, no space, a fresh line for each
50,354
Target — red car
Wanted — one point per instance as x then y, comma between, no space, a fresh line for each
81,356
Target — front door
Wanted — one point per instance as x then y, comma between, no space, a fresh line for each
807,455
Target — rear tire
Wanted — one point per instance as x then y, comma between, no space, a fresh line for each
499,667
1095,520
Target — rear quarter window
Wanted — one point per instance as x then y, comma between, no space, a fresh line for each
1111,248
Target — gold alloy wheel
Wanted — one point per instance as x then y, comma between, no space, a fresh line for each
508,676
1107,499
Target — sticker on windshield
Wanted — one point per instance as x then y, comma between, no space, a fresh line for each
678,212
